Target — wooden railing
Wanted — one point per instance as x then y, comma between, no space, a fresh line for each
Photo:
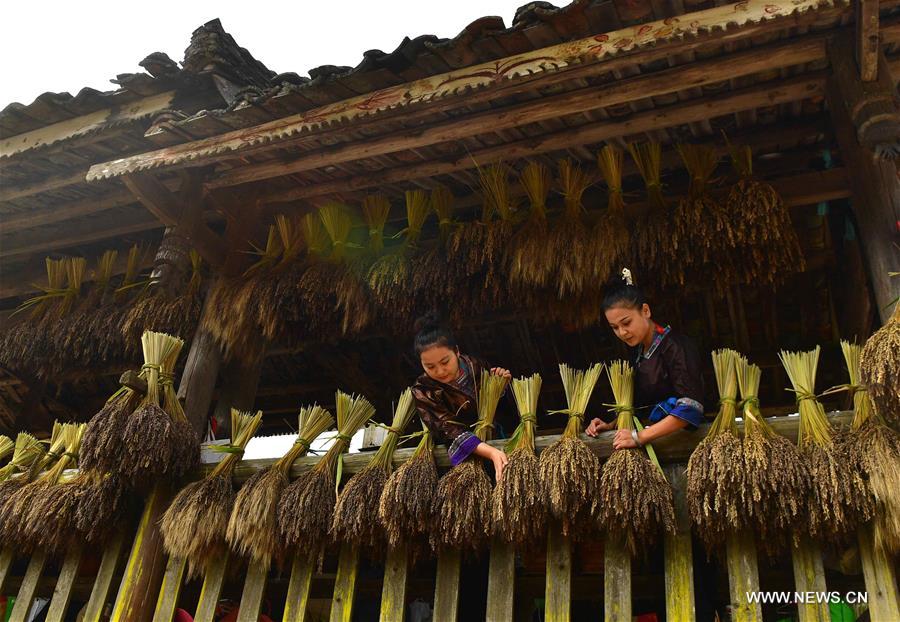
740,559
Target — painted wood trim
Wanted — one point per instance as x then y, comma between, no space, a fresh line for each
446,589
345,584
743,576
298,589
558,591
211,591
616,581
809,576
501,588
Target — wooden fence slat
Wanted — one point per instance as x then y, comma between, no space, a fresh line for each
298,589
501,587
446,589
393,591
743,576
6,559
616,581
213,581
62,593
170,590
881,579
345,584
678,551
254,592
809,576
28,587
558,591
105,574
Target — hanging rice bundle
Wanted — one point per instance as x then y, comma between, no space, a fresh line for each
879,367
407,501
438,275
306,508
101,448
529,258
571,242
836,505
478,244
356,513
715,473
157,441
376,208
441,202
51,513
762,228
193,526
278,299
462,503
25,462
569,469
612,238
652,228
168,307
6,446
874,449
18,526
252,529
776,480
391,276
519,505
634,495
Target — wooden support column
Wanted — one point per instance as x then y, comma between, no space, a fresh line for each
170,590
558,595
100,591
240,380
345,584
865,117
393,592
298,590
446,589
211,590
679,566
616,581
743,576
28,587
254,591
6,560
501,581
868,47
881,579
198,380
809,576
65,583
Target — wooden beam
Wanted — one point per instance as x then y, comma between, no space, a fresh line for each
724,23
58,212
767,94
875,186
10,192
169,210
550,107
85,124
867,46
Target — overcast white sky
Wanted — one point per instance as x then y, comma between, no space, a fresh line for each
66,45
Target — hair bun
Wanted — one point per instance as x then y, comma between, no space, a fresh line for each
427,322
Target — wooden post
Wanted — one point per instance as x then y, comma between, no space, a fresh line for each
6,559
501,587
240,380
616,581
100,592
211,590
679,561
809,576
558,595
393,591
254,591
170,590
200,372
62,593
146,563
446,590
298,589
28,587
743,576
881,579
865,117
345,584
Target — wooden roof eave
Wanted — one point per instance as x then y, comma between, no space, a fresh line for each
732,21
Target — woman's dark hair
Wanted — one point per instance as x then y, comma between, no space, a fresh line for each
621,294
431,332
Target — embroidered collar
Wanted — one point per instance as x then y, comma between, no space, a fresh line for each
660,334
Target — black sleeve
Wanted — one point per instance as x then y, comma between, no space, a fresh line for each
683,363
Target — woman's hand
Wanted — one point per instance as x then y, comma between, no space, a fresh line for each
623,440
596,426
497,457
499,371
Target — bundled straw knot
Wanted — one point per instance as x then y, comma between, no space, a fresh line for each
528,417
53,455
728,400
72,455
805,395
150,366
342,437
749,402
166,379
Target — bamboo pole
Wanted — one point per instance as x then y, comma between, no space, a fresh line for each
211,591
62,593
616,581
446,591
558,597
28,587
298,589
881,579
501,581
809,576
393,592
743,576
